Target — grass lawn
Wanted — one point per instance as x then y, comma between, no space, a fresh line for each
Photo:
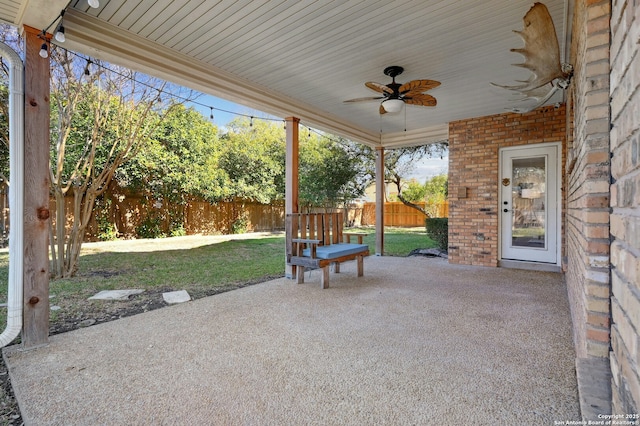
399,241
202,271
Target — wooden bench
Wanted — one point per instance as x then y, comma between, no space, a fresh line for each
315,240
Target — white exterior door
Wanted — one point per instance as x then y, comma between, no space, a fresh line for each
529,203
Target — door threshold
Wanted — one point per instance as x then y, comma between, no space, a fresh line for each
531,266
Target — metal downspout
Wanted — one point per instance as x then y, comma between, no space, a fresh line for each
16,194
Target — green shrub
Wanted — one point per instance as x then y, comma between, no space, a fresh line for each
150,227
241,224
438,231
178,231
107,232
106,229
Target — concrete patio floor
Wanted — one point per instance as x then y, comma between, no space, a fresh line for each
415,341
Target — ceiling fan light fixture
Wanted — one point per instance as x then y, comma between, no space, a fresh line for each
393,105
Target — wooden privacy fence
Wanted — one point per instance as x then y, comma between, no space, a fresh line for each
399,214
195,217
201,217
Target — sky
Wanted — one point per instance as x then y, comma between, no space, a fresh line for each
430,167
423,170
220,117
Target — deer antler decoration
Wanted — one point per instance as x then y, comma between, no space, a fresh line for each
542,57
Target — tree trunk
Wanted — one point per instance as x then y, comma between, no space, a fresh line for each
57,246
83,203
412,205
398,182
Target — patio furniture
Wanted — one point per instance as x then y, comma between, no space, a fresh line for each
315,240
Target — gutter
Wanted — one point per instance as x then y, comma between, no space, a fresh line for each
16,194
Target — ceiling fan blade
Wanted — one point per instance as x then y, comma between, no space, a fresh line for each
420,99
377,87
418,86
382,110
371,98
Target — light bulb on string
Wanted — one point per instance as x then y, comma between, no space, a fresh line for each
211,114
60,34
60,30
251,122
44,51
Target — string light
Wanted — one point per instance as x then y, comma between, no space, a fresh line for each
60,34
60,37
44,51
60,30
320,134
160,92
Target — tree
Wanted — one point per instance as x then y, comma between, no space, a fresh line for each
180,161
253,160
400,162
415,192
100,118
329,173
436,192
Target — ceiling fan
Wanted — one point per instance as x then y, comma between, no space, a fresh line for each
395,95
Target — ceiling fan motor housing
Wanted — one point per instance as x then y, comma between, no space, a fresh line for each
393,71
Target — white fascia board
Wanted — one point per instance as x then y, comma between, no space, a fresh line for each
427,135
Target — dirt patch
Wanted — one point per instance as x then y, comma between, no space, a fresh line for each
9,411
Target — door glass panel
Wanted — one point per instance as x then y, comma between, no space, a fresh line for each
528,197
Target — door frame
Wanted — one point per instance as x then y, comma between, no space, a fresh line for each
559,226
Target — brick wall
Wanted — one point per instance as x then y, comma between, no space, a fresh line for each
625,199
587,181
473,164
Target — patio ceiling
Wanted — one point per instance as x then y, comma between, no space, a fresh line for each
304,58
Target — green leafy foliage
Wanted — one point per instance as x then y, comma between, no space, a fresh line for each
178,231
151,227
415,192
438,187
253,159
436,192
327,173
240,224
438,230
178,163
106,228
180,159
99,121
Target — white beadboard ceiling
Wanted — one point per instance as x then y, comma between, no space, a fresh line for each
303,58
